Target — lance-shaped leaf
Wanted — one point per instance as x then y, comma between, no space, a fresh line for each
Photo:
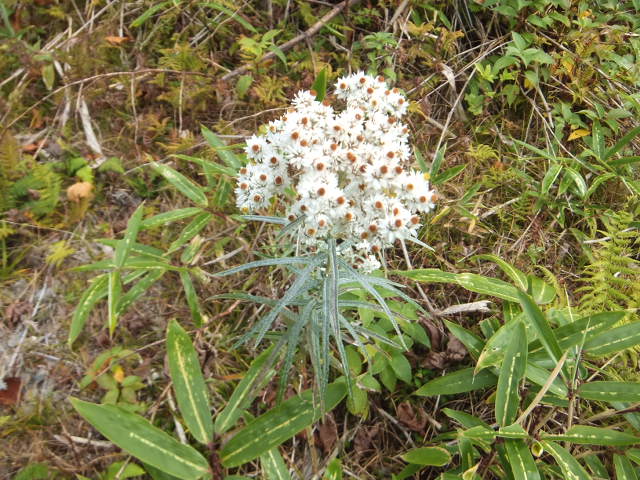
278,425
92,295
170,216
540,325
223,151
188,383
194,228
273,466
571,468
138,437
427,456
614,340
586,435
320,85
241,397
470,281
624,468
192,298
494,349
461,381
520,460
610,391
185,186
130,235
511,373
113,301
573,334
472,342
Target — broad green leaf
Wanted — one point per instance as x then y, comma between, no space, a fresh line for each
135,435
578,180
273,466
461,381
610,391
586,435
168,217
223,151
122,470
514,431
614,340
540,325
634,454
541,291
320,85
432,456
242,395
470,281
465,419
278,425
92,295
192,298
401,367
540,376
133,227
223,190
597,141
187,187
520,460
188,383
571,468
511,373
624,468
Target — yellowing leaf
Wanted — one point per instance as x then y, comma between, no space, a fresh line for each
118,374
578,133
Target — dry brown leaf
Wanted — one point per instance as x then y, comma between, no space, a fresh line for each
407,415
79,191
364,437
114,40
11,395
327,434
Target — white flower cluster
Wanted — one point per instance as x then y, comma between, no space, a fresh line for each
350,169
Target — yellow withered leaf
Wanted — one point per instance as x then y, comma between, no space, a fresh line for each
578,133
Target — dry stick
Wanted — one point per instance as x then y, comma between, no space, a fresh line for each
294,41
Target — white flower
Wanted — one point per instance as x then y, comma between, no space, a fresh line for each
350,170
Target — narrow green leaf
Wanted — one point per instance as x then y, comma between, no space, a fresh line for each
92,295
472,343
586,435
148,13
571,468
233,15
460,381
138,437
493,350
130,235
320,85
139,288
266,263
614,340
511,373
448,174
623,142
223,151
192,298
113,300
168,217
278,425
597,141
520,460
634,454
242,395
550,178
610,391
185,186
540,325
188,383
427,456
273,466
518,277
624,468
194,228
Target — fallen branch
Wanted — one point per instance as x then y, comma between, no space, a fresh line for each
315,28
